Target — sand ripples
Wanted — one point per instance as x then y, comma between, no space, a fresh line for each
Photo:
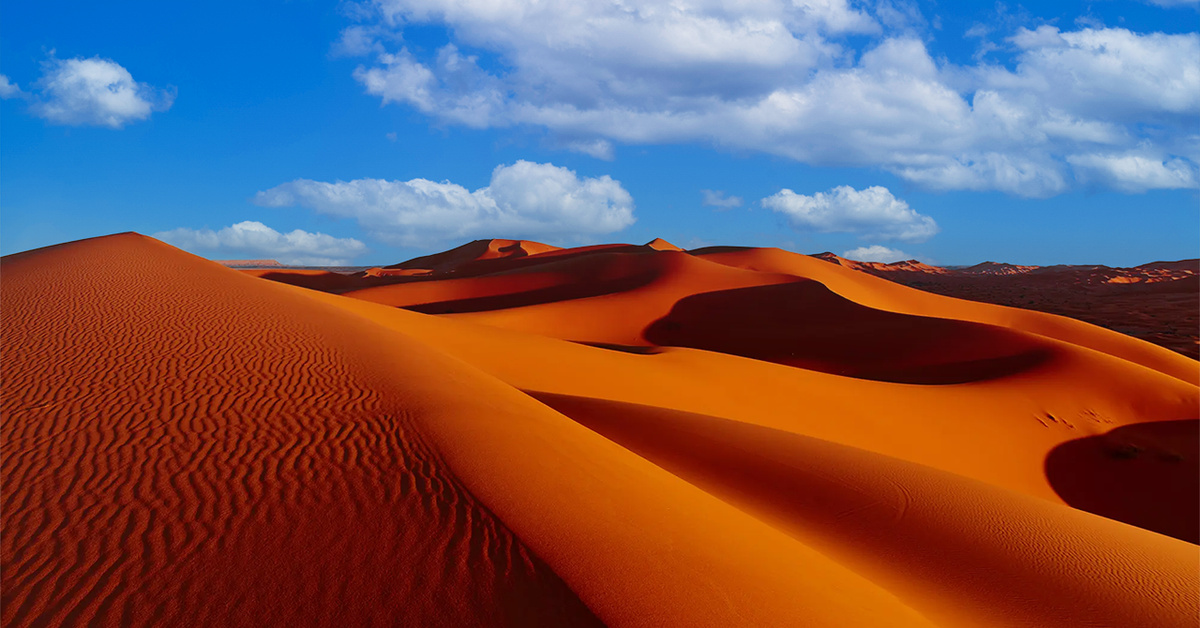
632,435
176,454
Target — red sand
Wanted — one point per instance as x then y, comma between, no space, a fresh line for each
621,435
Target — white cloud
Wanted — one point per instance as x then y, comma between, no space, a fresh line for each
1134,172
1174,3
357,41
600,149
781,78
717,198
95,92
876,253
1111,73
254,240
523,200
458,92
9,89
991,171
871,213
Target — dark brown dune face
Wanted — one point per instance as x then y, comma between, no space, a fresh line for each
805,324
551,281
1157,302
313,280
473,251
1146,474
510,434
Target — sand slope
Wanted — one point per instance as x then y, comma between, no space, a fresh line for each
1115,298
995,430
184,445
871,291
621,435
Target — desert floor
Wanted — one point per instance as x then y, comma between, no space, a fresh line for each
510,434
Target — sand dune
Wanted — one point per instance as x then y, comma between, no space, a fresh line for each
514,434
1115,298
887,295
659,244
478,250
959,551
997,430
188,446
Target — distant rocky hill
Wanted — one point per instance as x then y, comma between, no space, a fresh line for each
1158,302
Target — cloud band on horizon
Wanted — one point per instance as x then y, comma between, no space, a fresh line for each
871,213
256,240
524,199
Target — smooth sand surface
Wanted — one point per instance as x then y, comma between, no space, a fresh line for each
515,434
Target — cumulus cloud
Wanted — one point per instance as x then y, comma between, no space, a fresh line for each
871,213
8,89
357,41
717,198
1134,172
1110,72
94,92
455,89
783,78
600,149
250,239
876,253
525,199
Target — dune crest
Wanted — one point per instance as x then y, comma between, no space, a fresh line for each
514,434
1115,298
659,244
186,445
475,251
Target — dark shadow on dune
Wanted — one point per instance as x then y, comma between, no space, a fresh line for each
581,279
472,268
842,502
709,250
457,255
479,268
804,324
635,349
325,282
1147,475
447,265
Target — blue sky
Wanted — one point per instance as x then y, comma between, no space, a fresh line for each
336,132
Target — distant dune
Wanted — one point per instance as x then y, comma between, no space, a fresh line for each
1156,302
249,263
514,434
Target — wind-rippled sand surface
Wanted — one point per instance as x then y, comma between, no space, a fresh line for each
510,434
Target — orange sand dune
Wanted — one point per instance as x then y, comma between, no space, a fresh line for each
552,279
959,551
619,317
308,278
476,251
185,445
870,291
615,435
996,430
659,244
1115,298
